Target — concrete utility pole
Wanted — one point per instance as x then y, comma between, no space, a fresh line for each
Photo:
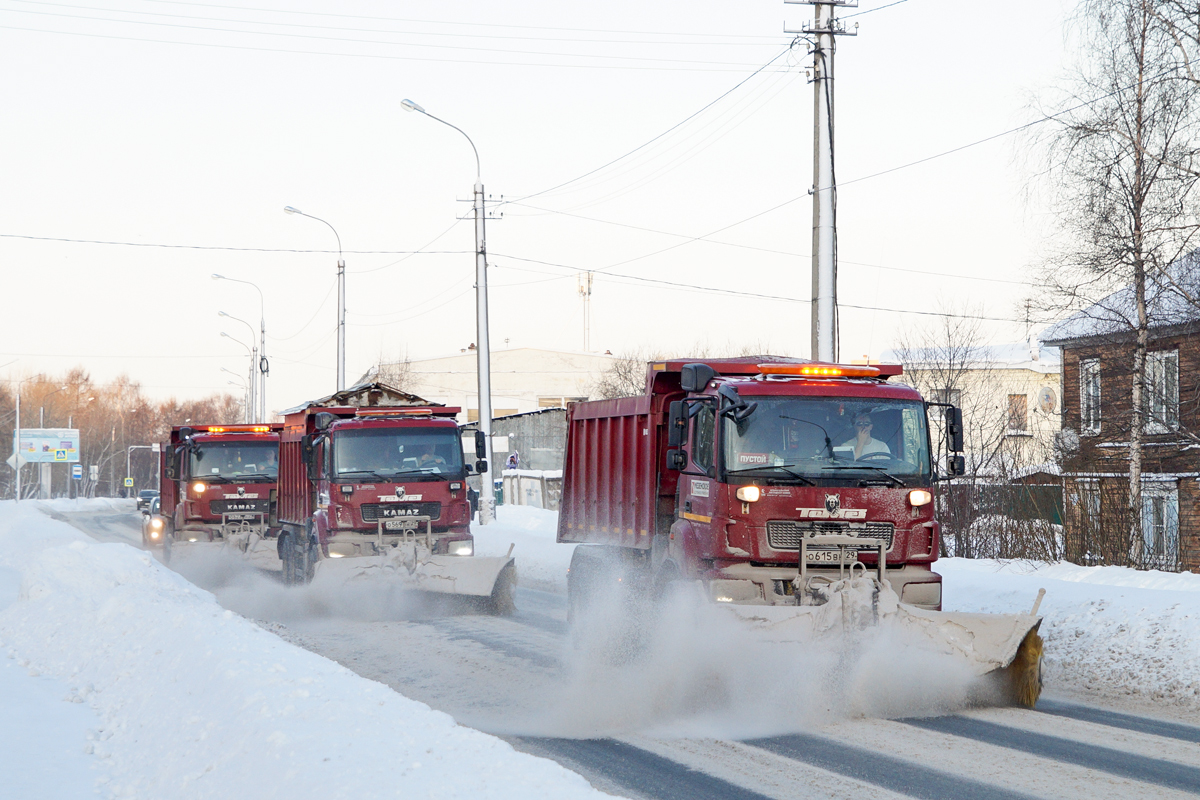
487,502
824,29
585,291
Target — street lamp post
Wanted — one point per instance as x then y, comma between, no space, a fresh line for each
255,354
487,508
341,282
264,366
247,399
250,389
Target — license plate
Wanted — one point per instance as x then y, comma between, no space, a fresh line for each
831,556
400,524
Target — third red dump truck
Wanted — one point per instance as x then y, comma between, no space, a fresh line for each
219,484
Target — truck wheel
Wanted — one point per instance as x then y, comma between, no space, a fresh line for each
168,537
503,602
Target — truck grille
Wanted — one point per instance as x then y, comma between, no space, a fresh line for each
786,534
240,506
372,512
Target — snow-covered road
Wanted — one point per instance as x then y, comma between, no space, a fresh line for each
703,715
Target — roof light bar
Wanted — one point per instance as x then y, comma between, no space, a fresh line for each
820,370
239,428
392,412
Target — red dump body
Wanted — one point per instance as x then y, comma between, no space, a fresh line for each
216,476
796,455
352,479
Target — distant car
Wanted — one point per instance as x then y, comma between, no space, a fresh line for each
154,524
144,498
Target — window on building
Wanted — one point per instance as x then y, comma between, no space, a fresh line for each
558,402
1162,391
1159,547
1018,413
1089,395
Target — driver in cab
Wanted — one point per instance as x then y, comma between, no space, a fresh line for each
862,443
429,457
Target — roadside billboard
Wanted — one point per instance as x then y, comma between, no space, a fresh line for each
49,445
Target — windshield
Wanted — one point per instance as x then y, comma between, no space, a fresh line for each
377,453
243,461
830,438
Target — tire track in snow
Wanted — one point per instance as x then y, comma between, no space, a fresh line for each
1114,719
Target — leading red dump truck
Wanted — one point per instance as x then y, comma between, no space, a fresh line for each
219,483
383,488
726,470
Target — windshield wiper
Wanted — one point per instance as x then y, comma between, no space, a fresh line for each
375,475
785,467
880,470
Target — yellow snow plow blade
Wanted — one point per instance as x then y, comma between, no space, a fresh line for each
1004,649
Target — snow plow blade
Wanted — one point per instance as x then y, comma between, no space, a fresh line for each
1004,650
414,568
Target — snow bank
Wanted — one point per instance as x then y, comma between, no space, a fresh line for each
1111,633
192,700
541,562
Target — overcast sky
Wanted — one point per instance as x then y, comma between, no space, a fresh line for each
185,128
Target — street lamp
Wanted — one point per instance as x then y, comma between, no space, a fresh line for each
250,390
483,354
341,281
247,398
254,358
264,366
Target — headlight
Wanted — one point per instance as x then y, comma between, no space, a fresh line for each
920,497
156,523
153,534
460,548
748,494
198,488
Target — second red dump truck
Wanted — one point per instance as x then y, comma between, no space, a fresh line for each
383,488
219,484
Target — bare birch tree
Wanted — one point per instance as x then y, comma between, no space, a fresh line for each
1122,177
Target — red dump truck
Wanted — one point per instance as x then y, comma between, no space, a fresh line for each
724,467
219,484
790,492
382,489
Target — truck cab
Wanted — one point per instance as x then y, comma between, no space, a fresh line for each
219,480
356,481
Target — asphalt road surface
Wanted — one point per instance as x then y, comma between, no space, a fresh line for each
673,721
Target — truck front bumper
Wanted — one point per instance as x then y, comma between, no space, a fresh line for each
748,584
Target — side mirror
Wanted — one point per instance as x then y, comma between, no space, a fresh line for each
677,421
694,377
676,459
186,433
481,446
481,466
171,470
306,449
956,466
323,420
954,429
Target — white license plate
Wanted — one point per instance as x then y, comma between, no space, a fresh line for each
400,524
831,556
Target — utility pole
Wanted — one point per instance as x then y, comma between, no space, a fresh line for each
585,291
823,31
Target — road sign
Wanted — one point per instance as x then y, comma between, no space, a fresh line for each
15,458
77,471
128,482
60,455
94,472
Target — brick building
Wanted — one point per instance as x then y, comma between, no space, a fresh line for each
1098,374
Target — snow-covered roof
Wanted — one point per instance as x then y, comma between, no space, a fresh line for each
1167,306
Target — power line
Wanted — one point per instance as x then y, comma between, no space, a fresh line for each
754,295
729,67
767,249
342,39
489,35
236,249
